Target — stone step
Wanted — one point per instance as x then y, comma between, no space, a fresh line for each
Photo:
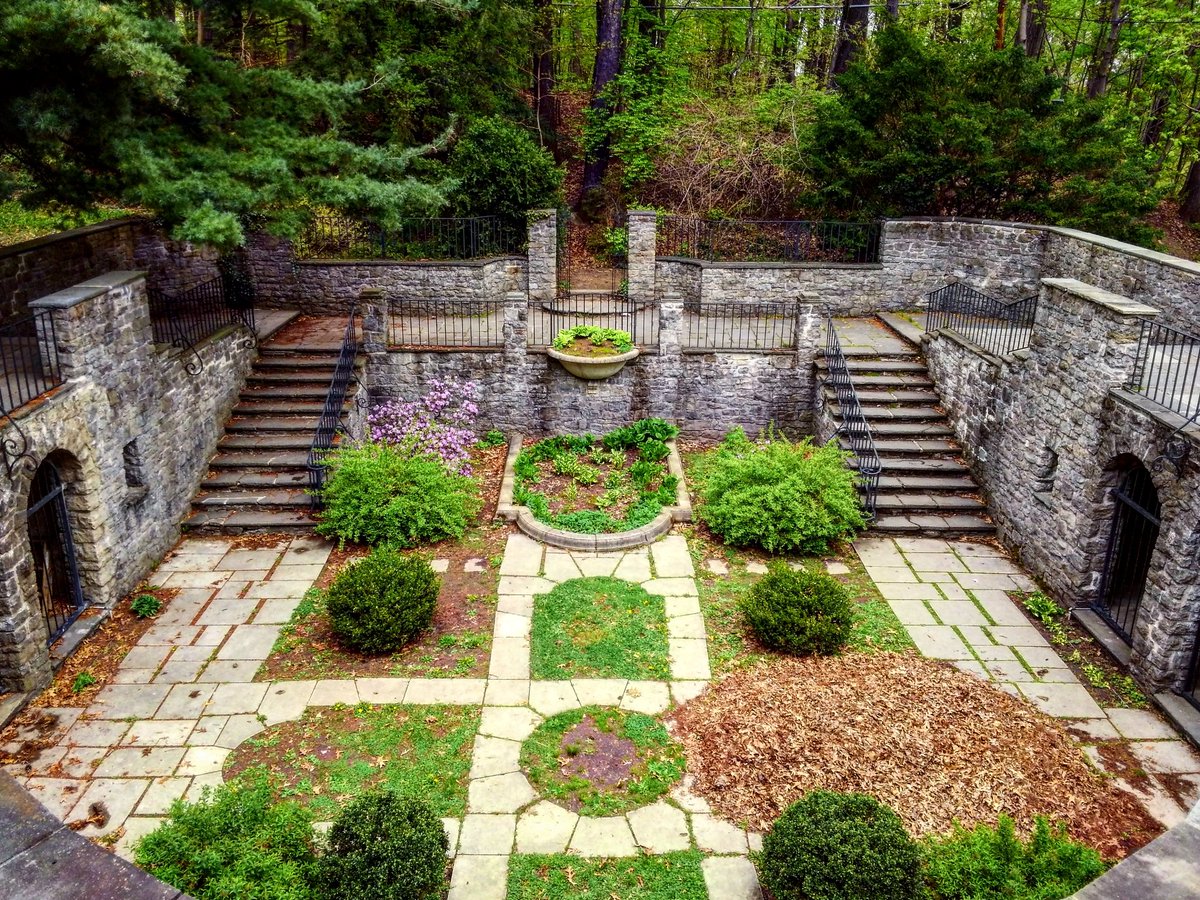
874,353
280,407
932,525
903,396
286,392
919,466
900,447
238,478
261,461
260,424
903,326
901,413
284,441
226,520
894,380
875,366
274,360
265,498
908,502
291,377
886,430
928,483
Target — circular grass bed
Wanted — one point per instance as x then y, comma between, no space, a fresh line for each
599,761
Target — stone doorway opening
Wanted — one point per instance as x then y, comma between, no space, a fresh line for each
1131,539
56,569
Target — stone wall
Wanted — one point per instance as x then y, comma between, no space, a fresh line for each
121,391
524,389
1045,434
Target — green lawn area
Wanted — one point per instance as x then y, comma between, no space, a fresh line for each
672,876
334,753
599,628
18,224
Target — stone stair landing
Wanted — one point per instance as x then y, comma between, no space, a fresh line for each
925,488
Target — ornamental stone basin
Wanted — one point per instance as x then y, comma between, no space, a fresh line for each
593,368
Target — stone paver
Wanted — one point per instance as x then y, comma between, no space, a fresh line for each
285,700
672,558
717,836
545,828
500,793
522,556
479,878
660,828
494,756
1139,724
730,878
599,691
487,835
605,836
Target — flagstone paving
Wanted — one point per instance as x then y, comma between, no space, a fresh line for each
184,696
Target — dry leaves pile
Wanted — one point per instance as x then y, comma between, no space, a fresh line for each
934,743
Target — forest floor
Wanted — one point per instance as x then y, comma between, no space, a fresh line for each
1179,237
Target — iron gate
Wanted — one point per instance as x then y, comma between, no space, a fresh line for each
1131,542
60,593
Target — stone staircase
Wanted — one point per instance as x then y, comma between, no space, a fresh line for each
257,479
924,488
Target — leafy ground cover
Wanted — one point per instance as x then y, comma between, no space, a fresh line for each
671,876
599,628
936,744
332,754
600,761
19,224
593,485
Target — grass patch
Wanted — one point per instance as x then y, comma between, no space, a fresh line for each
333,754
671,876
19,224
601,761
599,628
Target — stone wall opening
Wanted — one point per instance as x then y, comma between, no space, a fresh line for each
59,590
1133,534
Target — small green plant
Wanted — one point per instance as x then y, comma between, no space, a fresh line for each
1127,689
616,243
145,605
384,847
612,339
798,611
1042,607
234,842
995,862
654,451
831,846
494,438
383,602
83,681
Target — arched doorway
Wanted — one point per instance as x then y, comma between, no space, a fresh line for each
60,593
1131,540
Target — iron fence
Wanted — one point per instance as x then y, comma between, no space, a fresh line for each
854,424
601,309
763,240
29,364
184,320
997,327
1167,370
344,237
330,421
756,327
445,324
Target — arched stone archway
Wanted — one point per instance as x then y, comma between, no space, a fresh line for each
1133,532
58,589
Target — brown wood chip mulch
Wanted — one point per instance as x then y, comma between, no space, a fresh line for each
934,743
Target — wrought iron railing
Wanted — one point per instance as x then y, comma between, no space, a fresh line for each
994,326
330,421
446,324
29,364
347,238
1167,370
854,424
740,327
599,308
184,320
762,240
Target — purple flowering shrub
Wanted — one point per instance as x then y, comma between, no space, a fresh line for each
440,424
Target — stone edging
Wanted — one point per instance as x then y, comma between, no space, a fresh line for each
507,510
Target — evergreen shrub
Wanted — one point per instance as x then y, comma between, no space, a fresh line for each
383,602
799,612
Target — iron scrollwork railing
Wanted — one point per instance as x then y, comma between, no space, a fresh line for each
763,240
29,367
186,319
330,422
854,424
994,326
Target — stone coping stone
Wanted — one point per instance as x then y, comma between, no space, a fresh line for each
507,510
1168,868
710,264
1122,306
69,235
414,263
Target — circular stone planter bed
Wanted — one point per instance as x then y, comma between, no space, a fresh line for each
586,493
599,761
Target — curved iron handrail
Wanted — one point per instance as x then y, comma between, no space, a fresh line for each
330,421
995,326
854,423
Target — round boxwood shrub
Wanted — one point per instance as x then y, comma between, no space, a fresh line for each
382,602
797,611
384,847
831,846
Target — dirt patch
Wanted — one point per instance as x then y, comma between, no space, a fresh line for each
1180,238
936,744
604,759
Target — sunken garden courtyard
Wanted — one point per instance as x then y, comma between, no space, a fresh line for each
846,562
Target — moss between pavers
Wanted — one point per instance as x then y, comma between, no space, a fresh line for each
671,876
333,753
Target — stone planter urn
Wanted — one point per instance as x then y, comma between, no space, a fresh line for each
593,368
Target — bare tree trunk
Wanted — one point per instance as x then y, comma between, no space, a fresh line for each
1031,28
1001,21
1106,53
1189,199
543,76
1157,121
851,33
608,63
893,10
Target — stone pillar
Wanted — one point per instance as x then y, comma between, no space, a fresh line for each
520,414
667,403
543,254
643,224
375,310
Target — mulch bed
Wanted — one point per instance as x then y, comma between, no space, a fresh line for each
936,744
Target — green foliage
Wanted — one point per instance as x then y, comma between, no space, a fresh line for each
376,493
599,628
19,224
799,612
234,842
925,128
621,341
776,494
666,876
494,438
83,680
993,862
382,602
145,606
384,847
500,171
1050,614
653,451
831,846
639,432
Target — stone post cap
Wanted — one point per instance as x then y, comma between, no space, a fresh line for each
87,290
516,297
672,297
1122,306
643,213
371,293
535,214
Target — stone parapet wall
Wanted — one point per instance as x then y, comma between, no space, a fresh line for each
120,388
